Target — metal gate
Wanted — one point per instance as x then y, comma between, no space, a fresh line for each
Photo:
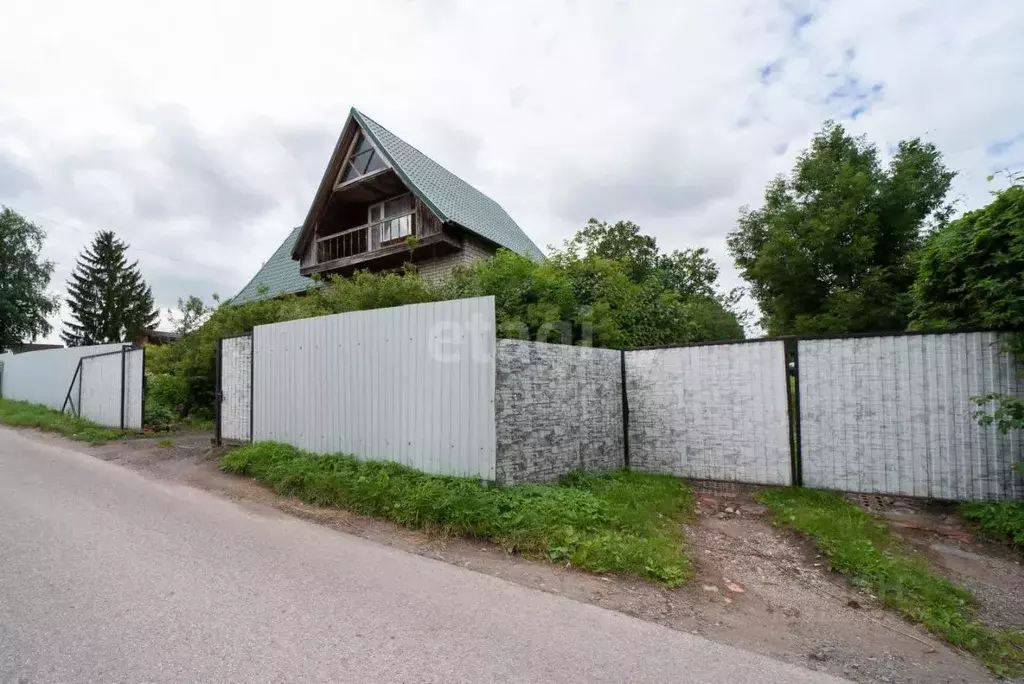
234,389
108,389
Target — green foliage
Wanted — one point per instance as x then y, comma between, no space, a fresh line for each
970,276
192,313
168,390
192,358
24,277
159,416
610,287
108,299
969,273
621,522
165,443
596,291
873,560
831,250
999,520
22,414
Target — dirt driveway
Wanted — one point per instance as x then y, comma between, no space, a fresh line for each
757,587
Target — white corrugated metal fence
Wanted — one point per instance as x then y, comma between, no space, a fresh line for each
43,377
894,415
110,389
412,384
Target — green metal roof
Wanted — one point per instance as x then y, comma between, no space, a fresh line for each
280,275
451,198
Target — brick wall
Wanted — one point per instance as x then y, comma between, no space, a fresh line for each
557,408
436,270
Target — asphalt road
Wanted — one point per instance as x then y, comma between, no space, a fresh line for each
107,576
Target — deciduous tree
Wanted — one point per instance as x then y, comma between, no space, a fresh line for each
831,249
24,277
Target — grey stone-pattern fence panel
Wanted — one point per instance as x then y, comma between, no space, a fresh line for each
717,412
557,408
236,388
893,415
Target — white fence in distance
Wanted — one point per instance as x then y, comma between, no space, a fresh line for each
236,388
43,377
893,415
101,398
412,384
715,412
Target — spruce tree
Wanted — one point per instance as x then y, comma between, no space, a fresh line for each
108,299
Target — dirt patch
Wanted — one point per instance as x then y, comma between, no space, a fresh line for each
993,573
756,587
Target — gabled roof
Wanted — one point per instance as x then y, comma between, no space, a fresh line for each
452,199
280,275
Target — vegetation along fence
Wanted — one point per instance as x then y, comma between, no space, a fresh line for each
427,385
103,383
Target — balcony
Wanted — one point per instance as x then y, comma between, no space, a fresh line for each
380,245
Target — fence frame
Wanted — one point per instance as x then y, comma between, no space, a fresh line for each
77,410
218,395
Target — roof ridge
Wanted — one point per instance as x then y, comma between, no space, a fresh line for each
468,206
416,149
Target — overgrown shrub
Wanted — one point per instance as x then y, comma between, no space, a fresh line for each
999,520
970,276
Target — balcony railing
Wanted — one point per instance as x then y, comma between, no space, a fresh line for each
366,238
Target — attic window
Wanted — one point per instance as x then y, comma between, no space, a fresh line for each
362,160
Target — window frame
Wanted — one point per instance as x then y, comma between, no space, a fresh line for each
385,219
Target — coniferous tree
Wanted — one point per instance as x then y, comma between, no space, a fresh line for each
109,300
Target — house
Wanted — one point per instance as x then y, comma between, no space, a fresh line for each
377,193
155,337
32,346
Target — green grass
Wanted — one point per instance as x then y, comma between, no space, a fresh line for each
165,443
620,522
22,414
872,559
1001,521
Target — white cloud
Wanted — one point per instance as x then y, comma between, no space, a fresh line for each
198,130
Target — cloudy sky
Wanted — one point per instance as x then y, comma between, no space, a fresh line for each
197,130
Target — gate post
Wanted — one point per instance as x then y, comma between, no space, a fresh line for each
625,409
791,356
124,358
252,385
217,395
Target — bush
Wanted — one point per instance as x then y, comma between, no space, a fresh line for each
167,390
999,520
